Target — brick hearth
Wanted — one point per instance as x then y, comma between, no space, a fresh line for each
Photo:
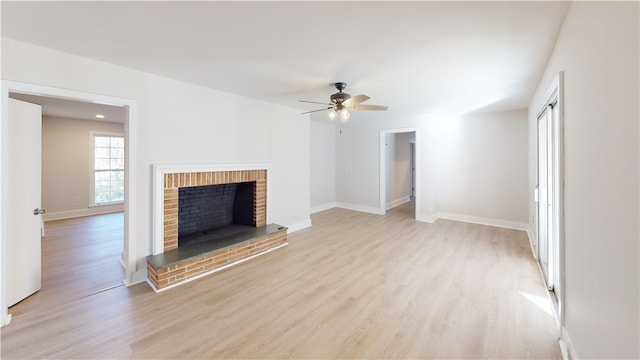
177,265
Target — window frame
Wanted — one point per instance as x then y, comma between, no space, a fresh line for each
92,171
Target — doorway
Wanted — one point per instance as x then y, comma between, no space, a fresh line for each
549,191
127,257
399,168
83,194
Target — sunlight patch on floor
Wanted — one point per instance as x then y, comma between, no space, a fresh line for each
539,301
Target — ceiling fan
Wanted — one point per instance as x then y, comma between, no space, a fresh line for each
342,102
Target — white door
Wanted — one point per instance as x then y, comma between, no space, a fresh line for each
548,195
543,193
24,220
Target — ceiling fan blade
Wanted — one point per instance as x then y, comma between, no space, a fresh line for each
314,102
355,100
368,107
312,111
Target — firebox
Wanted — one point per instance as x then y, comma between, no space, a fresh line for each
214,212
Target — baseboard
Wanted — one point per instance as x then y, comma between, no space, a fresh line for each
569,351
6,320
367,209
532,240
397,202
298,226
426,218
137,277
483,221
96,210
324,207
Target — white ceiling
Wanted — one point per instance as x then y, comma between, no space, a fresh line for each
63,108
417,57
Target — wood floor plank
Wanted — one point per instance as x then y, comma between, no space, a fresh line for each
80,256
352,286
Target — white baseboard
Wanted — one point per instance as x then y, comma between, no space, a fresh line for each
532,239
324,207
566,346
6,320
367,209
137,277
95,210
483,221
397,202
428,218
298,226
449,216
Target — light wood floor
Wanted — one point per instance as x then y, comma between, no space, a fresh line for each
79,257
354,285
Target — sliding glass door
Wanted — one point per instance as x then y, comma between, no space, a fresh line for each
549,194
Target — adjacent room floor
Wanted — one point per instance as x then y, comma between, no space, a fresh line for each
354,285
80,257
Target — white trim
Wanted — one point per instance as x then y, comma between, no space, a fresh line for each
555,94
426,218
449,216
366,209
137,277
567,345
398,202
323,207
484,221
532,238
130,126
156,290
90,211
159,170
300,225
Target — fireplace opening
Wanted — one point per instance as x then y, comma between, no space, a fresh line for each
214,212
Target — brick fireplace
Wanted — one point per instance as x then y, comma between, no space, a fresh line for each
212,236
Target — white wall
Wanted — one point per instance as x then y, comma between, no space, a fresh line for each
290,180
182,123
481,166
357,165
323,165
471,168
597,50
66,166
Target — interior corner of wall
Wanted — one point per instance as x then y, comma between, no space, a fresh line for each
300,225
137,277
428,218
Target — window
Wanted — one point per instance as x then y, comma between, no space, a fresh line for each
108,168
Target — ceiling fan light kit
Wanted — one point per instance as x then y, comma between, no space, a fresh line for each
332,114
341,102
345,114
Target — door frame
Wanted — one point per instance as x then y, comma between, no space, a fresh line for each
554,98
383,168
128,258
412,153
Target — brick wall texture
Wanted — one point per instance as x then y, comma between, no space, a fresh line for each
175,274
175,181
